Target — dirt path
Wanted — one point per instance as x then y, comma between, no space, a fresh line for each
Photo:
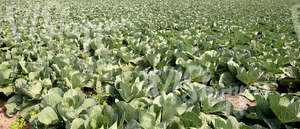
239,101
4,120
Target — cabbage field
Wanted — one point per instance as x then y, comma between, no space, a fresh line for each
151,64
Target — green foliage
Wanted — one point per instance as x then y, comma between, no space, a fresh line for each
18,123
149,64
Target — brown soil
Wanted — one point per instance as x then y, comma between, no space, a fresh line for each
5,121
239,101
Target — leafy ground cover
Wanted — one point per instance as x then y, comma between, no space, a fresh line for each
150,63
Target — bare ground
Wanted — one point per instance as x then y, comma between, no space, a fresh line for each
239,101
5,121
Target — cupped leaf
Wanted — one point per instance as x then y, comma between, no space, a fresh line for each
48,116
230,123
101,116
73,98
51,100
32,89
77,123
129,86
74,102
171,106
147,120
5,72
199,74
130,112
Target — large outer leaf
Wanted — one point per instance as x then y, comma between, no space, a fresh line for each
132,124
265,113
227,80
244,126
73,98
230,123
8,90
48,116
130,112
77,123
171,106
285,110
191,119
74,103
147,120
199,74
13,104
129,86
222,106
101,116
51,100
5,72
32,89
29,109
